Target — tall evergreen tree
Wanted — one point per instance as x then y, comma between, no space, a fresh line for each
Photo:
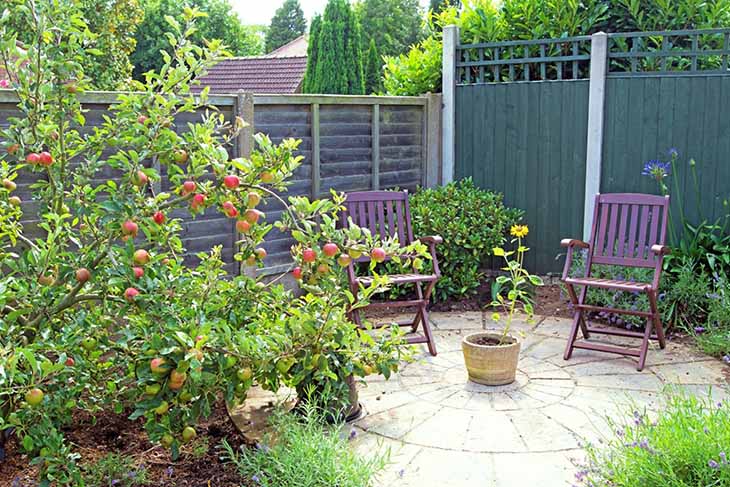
338,68
395,25
309,84
287,24
373,70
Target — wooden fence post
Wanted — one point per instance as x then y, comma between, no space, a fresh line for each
315,151
594,147
451,42
375,137
432,143
243,146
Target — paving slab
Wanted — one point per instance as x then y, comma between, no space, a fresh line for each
443,430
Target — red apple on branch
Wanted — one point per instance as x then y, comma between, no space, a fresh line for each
138,272
130,294
378,254
130,228
141,257
83,274
33,158
243,226
330,249
231,181
309,256
159,217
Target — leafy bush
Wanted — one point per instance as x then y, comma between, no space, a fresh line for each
302,452
416,72
686,446
714,337
472,222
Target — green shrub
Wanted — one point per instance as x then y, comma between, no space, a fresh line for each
115,469
714,338
414,73
305,453
688,445
472,221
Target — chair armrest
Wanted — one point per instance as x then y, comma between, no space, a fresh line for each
432,239
574,242
661,249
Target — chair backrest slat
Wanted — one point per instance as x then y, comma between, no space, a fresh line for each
385,213
625,226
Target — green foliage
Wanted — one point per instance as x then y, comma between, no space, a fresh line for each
394,25
304,452
715,337
373,70
438,6
97,310
309,82
338,67
516,281
492,21
685,446
472,222
110,40
115,469
414,73
221,23
287,24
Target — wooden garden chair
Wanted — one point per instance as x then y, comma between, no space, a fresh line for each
628,230
387,214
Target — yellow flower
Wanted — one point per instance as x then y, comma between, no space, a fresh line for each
519,231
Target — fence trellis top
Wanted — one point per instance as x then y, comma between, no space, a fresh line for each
657,53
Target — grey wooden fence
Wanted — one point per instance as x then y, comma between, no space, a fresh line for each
348,142
552,122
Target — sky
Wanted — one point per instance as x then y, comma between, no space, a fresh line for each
260,11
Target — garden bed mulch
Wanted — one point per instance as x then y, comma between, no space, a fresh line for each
95,437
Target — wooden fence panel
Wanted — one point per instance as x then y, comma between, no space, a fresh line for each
528,141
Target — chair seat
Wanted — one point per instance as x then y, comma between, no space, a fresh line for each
609,284
401,278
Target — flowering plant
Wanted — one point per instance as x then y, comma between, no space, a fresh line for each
516,282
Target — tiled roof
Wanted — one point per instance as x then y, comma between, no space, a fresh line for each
263,75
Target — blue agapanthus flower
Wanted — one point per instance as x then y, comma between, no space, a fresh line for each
657,170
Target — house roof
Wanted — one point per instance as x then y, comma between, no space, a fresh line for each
263,75
294,48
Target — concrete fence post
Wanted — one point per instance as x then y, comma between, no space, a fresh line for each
432,171
375,147
594,146
448,143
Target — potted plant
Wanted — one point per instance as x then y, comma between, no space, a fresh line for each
491,356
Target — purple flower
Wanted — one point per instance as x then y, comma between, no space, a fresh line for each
401,473
115,482
256,479
657,170
706,430
726,359
723,457
619,432
699,329
712,464
169,471
353,434
673,152
644,444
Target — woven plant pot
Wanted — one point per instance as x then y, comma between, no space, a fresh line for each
491,365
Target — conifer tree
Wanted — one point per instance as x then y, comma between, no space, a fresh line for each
309,85
338,67
373,70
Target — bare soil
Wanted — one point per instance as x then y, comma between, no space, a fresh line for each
94,437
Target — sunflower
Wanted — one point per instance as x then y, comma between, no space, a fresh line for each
519,231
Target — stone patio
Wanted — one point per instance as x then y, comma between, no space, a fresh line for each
443,430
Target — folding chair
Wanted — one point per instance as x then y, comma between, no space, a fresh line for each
629,230
387,214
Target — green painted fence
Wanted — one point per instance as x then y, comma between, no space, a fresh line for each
528,141
522,124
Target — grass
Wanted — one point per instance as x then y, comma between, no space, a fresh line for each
305,452
688,445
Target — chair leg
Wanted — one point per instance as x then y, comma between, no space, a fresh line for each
576,301
656,318
577,318
419,316
645,344
427,328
